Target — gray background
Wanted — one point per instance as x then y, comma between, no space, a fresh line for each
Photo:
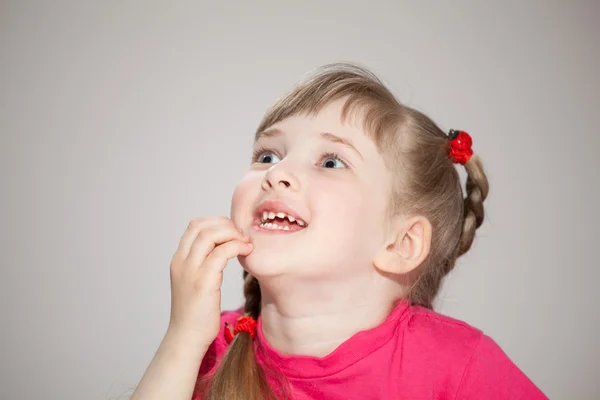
120,121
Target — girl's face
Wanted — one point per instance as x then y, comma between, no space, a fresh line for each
330,179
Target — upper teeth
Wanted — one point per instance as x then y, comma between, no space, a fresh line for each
271,215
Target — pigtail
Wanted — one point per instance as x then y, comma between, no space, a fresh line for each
477,191
239,376
252,295
433,188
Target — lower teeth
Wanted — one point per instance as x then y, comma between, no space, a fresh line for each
268,225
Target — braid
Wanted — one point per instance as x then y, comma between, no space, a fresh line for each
455,228
239,376
252,295
477,191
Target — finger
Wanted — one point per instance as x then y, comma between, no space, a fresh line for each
210,238
194,227
217,259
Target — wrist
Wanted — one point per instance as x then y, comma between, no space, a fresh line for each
190,340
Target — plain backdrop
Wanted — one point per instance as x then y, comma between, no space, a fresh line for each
122,120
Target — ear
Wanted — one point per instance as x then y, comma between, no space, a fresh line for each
408,246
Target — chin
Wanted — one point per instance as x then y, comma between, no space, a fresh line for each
265,264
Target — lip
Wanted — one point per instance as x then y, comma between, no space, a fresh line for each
275,206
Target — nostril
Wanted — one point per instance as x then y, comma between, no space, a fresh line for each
286,183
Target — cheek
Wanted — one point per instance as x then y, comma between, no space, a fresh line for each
243,199
341,206
350,212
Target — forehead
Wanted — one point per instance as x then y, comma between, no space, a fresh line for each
328,119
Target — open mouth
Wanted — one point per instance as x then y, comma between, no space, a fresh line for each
280,221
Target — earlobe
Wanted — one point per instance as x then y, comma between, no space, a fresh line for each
407,248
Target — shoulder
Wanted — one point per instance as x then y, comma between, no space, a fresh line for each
441,334
439,339
471,364
492,372
219,345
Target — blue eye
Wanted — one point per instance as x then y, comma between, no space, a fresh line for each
332,161
268,157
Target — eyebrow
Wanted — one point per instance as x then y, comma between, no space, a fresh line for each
273,132
336,139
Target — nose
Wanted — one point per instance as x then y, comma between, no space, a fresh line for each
280,178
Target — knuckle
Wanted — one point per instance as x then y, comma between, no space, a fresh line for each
195,223
202,236
223,219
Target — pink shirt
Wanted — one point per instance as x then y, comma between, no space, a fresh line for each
415,354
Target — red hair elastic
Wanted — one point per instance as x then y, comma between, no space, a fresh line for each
460,146
243,324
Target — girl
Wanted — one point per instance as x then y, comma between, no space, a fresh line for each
347,221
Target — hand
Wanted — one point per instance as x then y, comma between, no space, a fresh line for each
197,274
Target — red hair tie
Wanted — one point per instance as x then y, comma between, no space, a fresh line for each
244,324
460,146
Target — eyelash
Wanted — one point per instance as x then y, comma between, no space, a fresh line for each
333,155
261,150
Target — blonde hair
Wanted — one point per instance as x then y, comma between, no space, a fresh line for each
426,183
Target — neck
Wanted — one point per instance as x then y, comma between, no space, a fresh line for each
313,320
